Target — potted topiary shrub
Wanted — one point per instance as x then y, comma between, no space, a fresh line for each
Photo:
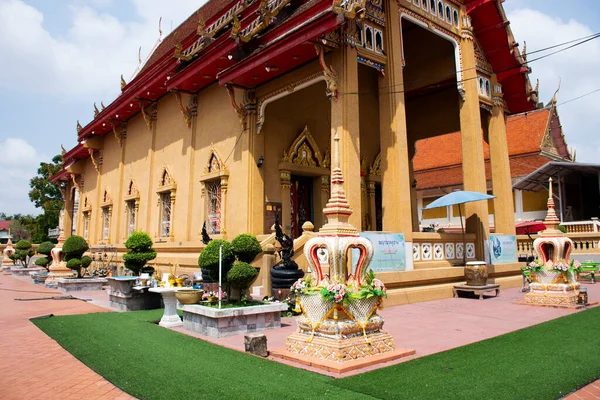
140,252
209,258
246,247
23,252
240,277
73,249
44,248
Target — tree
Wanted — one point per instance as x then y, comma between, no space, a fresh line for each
44,248
140,251
47,196
73,249
23,252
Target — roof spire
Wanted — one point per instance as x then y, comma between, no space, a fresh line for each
554,98
9,243
551,220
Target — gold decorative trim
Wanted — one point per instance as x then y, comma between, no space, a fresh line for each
214,162
114,129
189,111
239,108
328,72
304,151
132,191
166,181
94,161
149,113
375,168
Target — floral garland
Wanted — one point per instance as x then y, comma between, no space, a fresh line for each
561,266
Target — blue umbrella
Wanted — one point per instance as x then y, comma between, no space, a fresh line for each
457,198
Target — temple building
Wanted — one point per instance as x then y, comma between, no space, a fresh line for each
231,120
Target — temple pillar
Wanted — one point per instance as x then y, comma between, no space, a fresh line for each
253,150
395,169
286,201
68,206
504,212
476,213
345,123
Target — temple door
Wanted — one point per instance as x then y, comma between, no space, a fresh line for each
301,203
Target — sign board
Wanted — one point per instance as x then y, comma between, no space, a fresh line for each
389,252
503,249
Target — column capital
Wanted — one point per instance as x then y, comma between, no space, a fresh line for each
467,29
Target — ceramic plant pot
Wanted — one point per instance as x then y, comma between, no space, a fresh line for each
476,273
189,296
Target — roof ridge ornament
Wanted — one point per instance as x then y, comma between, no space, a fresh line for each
329,74
123,83
554,97
96,111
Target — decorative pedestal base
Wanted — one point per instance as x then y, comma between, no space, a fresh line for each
341,355
225,322
19,271
170,317
554,299
77,285
56,272
39,278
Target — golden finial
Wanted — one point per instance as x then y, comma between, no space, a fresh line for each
79,127
140,55
160,32
554,98
524,53
201,26
64,151
236,25
102,105
123,83
96,111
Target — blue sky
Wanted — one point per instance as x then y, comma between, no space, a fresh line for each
58,57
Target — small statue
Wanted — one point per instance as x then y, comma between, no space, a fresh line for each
205,237
286,251
285,272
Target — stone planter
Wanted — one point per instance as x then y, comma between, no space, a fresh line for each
39,277
476,273
20,271
123,297
77,285
225,322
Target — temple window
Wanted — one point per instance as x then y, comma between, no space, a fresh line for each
86,224
368,37
448,15
378,41
165,214
432,6
105,223
213,207
440,10
455,15
214,191
131,216
416,2
487,88
424,5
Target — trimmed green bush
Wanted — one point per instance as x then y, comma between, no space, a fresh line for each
23,252
75,264
241,275
86,261
45,248
209,258
42,262
246,247
140,251
23,245
562,229
74,247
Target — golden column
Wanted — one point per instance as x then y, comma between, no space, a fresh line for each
68,207
345,123
395,169
476,213
253,149
504,212
286,201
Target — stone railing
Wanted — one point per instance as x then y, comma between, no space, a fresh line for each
431,247
583,243
582,226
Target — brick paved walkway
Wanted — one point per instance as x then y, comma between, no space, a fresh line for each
32,365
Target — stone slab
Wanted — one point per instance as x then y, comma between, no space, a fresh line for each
134,301
18,271
218,323
568,307
77,285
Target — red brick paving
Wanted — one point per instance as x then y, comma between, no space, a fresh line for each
33,366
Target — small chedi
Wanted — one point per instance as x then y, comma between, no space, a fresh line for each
8,251
339,320
554,276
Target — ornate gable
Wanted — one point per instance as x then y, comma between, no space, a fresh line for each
215,162
305,152
166,182
132,191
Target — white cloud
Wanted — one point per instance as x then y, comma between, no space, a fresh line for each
577,69
87,60
18,164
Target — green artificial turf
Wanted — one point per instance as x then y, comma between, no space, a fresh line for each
545,361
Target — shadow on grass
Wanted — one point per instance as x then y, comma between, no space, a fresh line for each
542,362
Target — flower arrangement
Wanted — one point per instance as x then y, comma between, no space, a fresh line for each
371,287
561,266
213,296
304,286
335,292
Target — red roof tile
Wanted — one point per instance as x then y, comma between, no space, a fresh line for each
4,225
451,176
524,133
